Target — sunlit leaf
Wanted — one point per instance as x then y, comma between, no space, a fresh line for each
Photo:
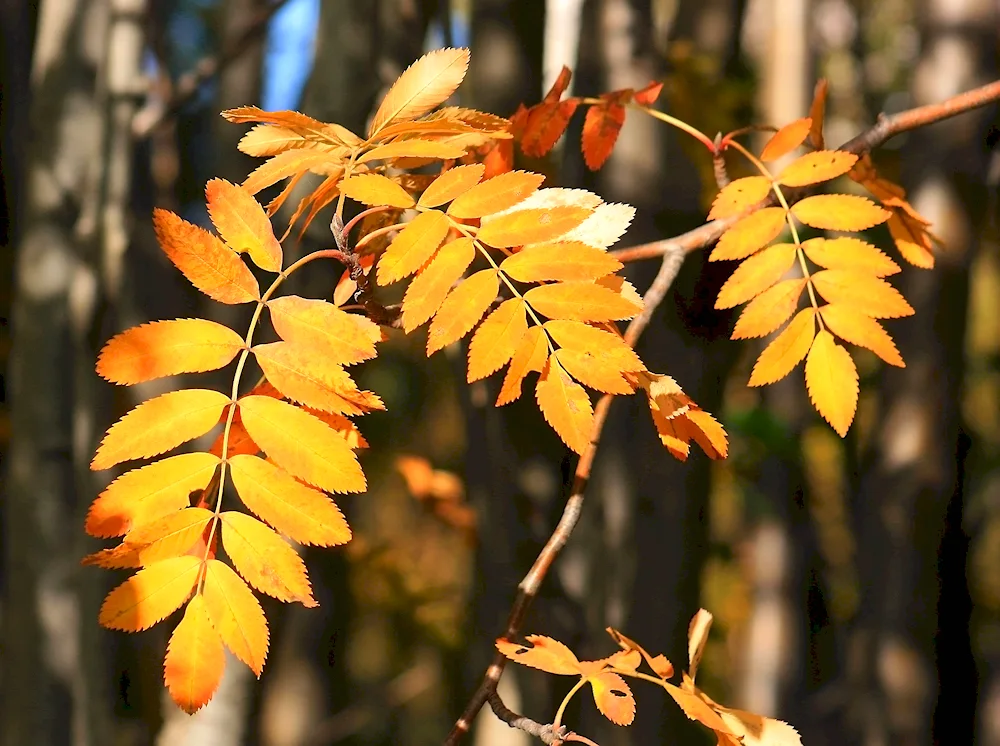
786,139
462,309
496,194
769,310
451,184
581,301
869,295
530,355
813,168
264,560
497,338
839,212
242,223
425,294
855,327
376,189
414,245
832,382
749,234
565,406
756,274
847,252
195,661
151,594
236,614
739,196
425,84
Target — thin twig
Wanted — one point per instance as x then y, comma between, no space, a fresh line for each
188,84
885,128
673,252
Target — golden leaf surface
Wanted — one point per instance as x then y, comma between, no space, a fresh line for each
497,338
787,350
462,309
769,310
376,189
494,195
869,295
151,595
531,226
345,337
560,260
749,234
169,536
264,559
413,246
236,614
302,444
425,294
434,149
565,406
290,163
613,697
544,653
305,515
425,84
756,274
167,348
530,355
853,326
786,139
209,264
847,252
832,382
580,301
451,184
243,224
307,375
813,168
739,196
839,212
193,666
160,424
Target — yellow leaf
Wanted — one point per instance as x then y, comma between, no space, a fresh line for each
786,350
427,291
160,424
151,594
292,163
839,212
739,196
603,345
786,139
749,234
414,245
167,348
302,444
305,515
531,226
864,293
169,536
708,433
561,260
696,708
192,668
376,189
462,309
769,310
117,558
243,224
853,326
756,730
545,654
497,338
345,337
423,85
613,697
756,275
293,120
148,493
813,168
565,406
413,149
451,184
832,382
208,263
581,301
851,253
605,225
269,139
592,371
264,560
306,375
531,355
496,194
912,241
236,615
343,427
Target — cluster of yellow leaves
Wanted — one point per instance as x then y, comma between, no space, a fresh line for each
849,277
170,511
616,702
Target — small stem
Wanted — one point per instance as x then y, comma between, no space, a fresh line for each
376,233
557,720
361,216
681,125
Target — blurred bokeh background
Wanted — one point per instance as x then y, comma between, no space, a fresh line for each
855,582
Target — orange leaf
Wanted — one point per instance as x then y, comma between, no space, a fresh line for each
434,149
739,196
817,113
839,212
167,348
264,560
239,439
236,615
696,708
451,184
151,594
565,406
347,338
423,85
603,345
658,663
169,536
708,433
531,226
291,163
332,133
343,427
243,224
148,493
851,253
559,85
749,234
462,309
496,194
531,355
769,310
832,381
864,293
545,654
813,168
756,274
647,96
305,515
582,301
160,424
601,126
912,241
561,260
208,263
302,444
195,660
306,375
117,558
376,189
497,338
414,245
429,288
613,697
853,326
269,139
786,139
786,350
592,371
546,124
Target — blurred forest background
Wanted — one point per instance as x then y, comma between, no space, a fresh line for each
855,583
